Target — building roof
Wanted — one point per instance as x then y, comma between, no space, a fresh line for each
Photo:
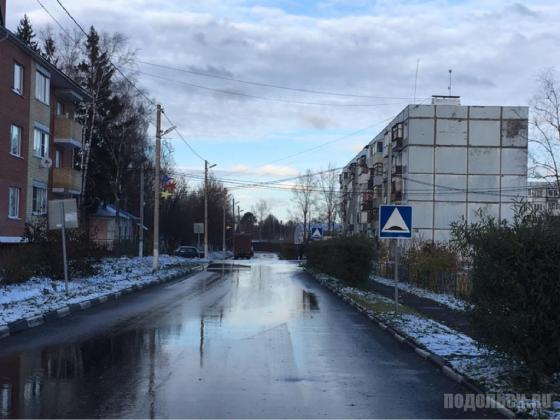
60,79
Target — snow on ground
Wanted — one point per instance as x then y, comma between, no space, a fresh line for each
448,300
40,295
496,372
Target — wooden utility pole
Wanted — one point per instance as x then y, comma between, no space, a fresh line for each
395,241
157,185
141,231
224,224
206,209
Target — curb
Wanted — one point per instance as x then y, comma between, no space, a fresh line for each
419,349
25,324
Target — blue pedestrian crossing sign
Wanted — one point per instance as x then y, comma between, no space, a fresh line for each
395,221
316,233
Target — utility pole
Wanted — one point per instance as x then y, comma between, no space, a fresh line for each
206,209
395,240
224,224
234,225
157,185
141,232
206,168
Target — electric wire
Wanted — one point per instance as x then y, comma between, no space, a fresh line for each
131,83
270,85
264,98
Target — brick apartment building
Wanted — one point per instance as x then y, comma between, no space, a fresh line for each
39,138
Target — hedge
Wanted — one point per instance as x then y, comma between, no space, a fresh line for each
516,286
348,258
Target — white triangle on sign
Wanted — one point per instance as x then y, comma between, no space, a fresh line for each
395,223
316,233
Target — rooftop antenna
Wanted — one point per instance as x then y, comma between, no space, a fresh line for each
416,80
449,87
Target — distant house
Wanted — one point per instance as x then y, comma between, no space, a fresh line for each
103,226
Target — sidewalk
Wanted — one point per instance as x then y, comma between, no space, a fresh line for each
436,326
457,320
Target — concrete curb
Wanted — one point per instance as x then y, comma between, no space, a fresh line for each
24,324
419,349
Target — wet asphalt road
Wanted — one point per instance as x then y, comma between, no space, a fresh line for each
265,342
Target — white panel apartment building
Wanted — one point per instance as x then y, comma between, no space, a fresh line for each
448,161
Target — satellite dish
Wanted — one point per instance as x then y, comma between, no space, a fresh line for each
46,162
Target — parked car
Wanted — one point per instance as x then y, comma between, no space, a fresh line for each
188,252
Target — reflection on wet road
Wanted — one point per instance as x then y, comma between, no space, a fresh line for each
261,342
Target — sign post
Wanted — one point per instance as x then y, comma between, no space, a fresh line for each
199,230
63,214
395,222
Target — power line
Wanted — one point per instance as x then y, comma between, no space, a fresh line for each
55,20
183,138
446,190
131,83
140,91
320,146
264,98
271,85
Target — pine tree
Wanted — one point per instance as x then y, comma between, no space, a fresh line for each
26,34
49,50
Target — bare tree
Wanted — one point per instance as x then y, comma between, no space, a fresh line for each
328,186
305,191
261,209
546,129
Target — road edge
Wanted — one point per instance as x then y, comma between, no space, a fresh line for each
24,324
420,350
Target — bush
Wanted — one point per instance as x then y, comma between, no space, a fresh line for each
516,285
432,266
348,258
41,254
288,251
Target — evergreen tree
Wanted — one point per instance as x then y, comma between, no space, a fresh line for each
49,50
95,73
26,34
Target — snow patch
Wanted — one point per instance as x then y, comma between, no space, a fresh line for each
450,301
41,295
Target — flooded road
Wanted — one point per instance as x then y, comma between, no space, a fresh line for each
263,342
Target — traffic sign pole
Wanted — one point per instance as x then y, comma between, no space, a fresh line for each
395,223
397,252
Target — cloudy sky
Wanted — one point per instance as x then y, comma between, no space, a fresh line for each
346,66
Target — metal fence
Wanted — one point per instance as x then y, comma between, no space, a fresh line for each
456,283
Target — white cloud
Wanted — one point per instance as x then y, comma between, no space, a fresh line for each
495,48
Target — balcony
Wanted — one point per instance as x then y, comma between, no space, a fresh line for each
67,180
68,131
397,145
396,196
367,206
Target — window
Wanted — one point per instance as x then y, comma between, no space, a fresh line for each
13,203
379,147
18,79
15,140
58,158
42,88
59,108
39,200
40,143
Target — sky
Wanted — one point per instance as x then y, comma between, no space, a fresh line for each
366,52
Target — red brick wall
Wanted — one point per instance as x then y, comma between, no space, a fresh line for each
14,109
